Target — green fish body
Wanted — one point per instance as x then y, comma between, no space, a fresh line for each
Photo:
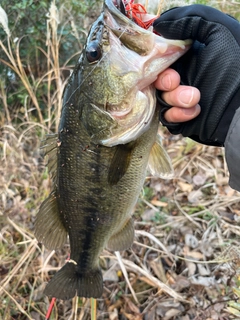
106,139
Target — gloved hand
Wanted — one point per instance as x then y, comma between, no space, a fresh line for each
212,65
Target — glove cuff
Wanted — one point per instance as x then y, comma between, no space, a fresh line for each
227,117
232,151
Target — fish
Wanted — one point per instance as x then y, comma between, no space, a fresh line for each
106,140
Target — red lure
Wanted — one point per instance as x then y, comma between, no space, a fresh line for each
136,12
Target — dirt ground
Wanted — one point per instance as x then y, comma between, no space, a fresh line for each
183,265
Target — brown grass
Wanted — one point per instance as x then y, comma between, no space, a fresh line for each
185,258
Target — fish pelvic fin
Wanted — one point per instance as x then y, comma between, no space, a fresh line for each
123,239
49,228
159,163
68,282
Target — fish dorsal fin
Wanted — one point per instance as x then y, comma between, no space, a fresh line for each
50,148
49,228
123,239
120,162
159,163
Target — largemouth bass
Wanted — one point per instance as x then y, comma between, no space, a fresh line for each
107,136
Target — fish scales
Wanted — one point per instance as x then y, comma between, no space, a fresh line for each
100,213
98,160
90,217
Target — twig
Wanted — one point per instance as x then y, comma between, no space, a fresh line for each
93,309
124,271
153,238
162,286
17,304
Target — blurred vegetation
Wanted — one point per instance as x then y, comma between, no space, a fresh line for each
27,18
29,22
35,62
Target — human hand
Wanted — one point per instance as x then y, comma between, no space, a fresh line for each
212,65
183,99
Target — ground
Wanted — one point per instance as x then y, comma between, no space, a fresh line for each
185,259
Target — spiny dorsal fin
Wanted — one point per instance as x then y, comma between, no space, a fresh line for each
50,146
159,163
120,162
49,228
50,143
123,239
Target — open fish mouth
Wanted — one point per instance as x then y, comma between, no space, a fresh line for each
120,6
134,60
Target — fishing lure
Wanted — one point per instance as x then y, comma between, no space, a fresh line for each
138,13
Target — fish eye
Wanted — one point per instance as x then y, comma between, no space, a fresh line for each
93,52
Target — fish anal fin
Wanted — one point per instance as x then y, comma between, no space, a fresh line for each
68,282
120,162
159,163
123,239
49,228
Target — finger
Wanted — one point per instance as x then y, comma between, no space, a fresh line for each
182,96
176,114
167,80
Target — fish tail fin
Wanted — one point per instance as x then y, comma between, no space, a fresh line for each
68,282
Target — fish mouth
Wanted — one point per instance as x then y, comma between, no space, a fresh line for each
117,113
120,6
136,58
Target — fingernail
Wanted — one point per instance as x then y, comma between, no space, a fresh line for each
186,95
191,111
166,82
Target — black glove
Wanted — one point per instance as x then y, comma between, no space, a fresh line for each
212,65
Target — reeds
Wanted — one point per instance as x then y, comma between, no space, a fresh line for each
160,262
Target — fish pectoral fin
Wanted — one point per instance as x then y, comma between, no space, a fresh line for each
49,228
68,282
123,239
159,163
120,162
50,147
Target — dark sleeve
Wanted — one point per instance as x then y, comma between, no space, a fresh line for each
232,150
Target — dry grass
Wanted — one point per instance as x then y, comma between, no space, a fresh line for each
185,259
